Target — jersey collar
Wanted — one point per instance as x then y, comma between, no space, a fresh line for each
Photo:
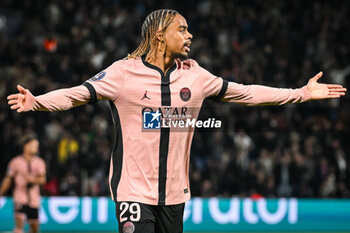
149,65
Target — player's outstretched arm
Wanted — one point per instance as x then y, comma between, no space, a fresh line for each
58,100
324,91
264,95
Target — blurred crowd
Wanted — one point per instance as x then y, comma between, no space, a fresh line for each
294,150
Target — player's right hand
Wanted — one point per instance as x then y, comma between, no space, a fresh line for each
30,179
19,101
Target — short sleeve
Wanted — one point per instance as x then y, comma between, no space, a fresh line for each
106,83
212,86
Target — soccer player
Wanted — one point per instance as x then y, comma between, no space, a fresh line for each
28,172
149,169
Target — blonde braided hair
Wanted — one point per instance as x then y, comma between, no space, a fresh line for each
156,21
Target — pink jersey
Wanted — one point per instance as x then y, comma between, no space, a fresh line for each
152,167
19,168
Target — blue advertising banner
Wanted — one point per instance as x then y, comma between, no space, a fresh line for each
213,214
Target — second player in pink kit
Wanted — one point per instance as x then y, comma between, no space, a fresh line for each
28,172
149,170
21,169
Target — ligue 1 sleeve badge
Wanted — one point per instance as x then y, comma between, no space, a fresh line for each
98,76
185,94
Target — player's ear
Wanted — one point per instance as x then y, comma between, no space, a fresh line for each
160,36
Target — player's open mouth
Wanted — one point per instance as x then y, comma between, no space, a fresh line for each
187,46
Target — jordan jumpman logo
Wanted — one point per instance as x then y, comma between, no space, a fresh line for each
145,96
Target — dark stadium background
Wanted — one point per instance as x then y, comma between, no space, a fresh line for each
287,151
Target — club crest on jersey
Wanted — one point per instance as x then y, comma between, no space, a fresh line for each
128,227
185,94
98,76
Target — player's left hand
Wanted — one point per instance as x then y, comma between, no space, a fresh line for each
23,101
324,91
